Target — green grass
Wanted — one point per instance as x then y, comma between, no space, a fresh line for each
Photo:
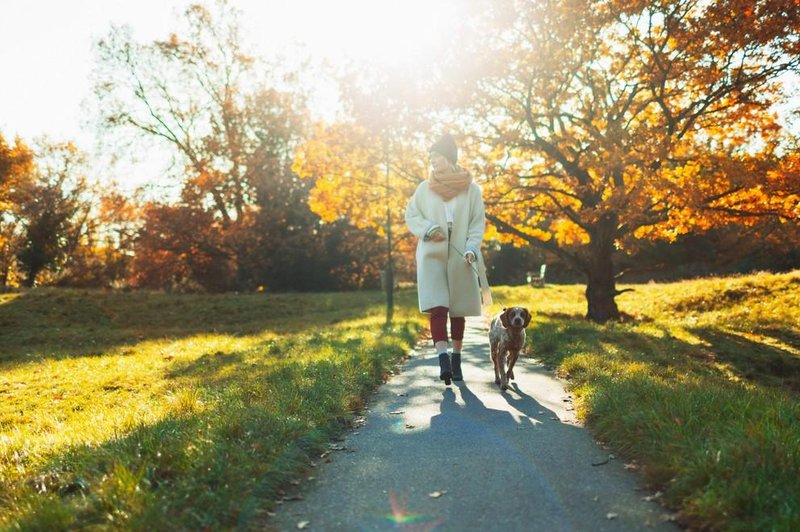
147,410
700,387
154,411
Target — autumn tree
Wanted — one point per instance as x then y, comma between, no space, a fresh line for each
605,124
16,168
364,177
205,98
181,248
104,256
52,209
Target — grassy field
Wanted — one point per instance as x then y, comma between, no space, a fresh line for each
147,410
154,411
700,389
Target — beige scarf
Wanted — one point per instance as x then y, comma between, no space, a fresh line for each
450,184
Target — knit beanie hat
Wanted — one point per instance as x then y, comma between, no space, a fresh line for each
446,145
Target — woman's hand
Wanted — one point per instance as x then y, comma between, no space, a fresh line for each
469,257
438,236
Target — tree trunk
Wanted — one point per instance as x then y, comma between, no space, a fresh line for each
601,286
30,279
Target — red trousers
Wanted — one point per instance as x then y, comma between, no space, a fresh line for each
439,325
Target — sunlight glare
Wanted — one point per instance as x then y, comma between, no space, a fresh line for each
386,32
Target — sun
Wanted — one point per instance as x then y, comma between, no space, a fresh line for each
383,32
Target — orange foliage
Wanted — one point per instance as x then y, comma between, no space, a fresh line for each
349,169
653,115
16,165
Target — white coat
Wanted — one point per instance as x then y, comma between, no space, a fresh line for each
443,278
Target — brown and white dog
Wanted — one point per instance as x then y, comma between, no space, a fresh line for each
506,337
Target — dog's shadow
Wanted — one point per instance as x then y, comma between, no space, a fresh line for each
524,403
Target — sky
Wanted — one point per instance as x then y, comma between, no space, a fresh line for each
46,50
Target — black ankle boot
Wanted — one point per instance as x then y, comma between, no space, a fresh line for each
455,361
445,371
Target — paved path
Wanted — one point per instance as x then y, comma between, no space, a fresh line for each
468,457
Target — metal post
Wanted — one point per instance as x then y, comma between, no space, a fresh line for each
389,266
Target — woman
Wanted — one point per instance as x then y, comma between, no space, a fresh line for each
446,214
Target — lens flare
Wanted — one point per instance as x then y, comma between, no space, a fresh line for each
403,520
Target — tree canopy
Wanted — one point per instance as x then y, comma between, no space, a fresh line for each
611,122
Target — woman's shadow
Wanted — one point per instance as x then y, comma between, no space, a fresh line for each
496,449
470,421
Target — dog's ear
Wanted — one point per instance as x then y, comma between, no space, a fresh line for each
527,317
504,317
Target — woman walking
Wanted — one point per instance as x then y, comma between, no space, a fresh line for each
446,214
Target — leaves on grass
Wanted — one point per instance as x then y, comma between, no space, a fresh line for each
611,515
302,525
437,494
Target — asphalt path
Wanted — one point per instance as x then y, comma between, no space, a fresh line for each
470,457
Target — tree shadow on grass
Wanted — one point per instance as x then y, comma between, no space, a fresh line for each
791,338
207,366
560,337
61,323
753,361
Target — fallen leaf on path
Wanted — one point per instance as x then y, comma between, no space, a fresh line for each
335,447
410,426
611,515
397,412
436,494
632,466
303,525
402,395
652,497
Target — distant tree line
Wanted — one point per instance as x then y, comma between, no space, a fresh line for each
58,228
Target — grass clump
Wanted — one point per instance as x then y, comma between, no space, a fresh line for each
700,389
154,411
